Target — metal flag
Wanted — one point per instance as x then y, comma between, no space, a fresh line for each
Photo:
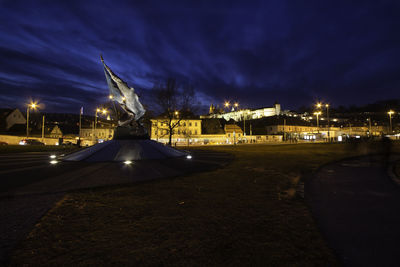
123,94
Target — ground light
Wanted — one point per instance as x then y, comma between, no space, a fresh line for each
52,156
127,162
53,161
189,156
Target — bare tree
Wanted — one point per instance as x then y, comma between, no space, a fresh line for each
175,103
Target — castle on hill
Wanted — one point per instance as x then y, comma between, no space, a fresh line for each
242,114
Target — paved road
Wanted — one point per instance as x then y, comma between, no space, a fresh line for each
30,185
357,207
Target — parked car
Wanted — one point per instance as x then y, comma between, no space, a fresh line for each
30,142
3,143
68,143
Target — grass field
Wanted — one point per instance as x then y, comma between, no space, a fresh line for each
245,214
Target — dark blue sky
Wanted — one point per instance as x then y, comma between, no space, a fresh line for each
295,52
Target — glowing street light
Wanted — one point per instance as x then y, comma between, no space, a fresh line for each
227,104
317,114
390,112
327,115
32,105
318,105
110,96
104,111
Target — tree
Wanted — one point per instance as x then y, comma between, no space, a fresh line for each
175,104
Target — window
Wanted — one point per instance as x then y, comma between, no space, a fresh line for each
190,124
184,124
195,131
195,124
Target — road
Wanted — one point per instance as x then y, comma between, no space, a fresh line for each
30,185
357,207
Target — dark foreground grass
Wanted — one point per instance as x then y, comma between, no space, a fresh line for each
35,148
397,169
244,214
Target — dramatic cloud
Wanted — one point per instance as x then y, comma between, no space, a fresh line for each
293,52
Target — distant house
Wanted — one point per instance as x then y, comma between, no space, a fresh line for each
56,132
233,132
64,131
10,118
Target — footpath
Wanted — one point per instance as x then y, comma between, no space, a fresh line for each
357,207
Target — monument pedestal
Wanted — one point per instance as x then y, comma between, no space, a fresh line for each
129,133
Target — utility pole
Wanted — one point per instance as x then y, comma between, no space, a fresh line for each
244,125
391,112
327,115
369,126
80,124
284,125
43,130
27,122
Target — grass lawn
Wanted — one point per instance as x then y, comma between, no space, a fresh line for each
19,148
245,214
397,169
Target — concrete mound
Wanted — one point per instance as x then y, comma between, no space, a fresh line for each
123,150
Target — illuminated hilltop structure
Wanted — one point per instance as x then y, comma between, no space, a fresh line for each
243,114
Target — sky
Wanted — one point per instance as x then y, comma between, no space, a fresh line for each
254,52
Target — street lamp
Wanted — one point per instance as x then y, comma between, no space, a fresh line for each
95,122
390,112
317,114
30,106
227,104
236,105
327,115
318,105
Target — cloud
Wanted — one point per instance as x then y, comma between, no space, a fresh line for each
292,52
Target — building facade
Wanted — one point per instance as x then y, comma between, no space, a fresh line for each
103,133
186,130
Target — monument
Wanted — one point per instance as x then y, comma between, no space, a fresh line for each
131,141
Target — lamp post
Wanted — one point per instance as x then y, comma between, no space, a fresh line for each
327,115
390,112
95,123
30,106
317,114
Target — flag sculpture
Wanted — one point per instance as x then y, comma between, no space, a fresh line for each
125,96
